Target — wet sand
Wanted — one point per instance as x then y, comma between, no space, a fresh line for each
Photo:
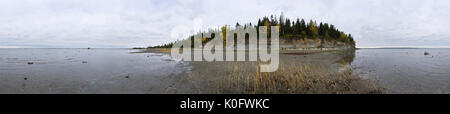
94,71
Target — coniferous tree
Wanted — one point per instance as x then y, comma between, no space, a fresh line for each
303,27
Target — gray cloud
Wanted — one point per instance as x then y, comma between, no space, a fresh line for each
129,23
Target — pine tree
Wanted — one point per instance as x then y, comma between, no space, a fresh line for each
303,27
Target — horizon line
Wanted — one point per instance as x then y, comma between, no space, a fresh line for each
412,47
358,47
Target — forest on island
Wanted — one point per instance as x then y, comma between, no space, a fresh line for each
289,29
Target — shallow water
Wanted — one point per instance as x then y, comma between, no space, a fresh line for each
121,71
406,70
85,71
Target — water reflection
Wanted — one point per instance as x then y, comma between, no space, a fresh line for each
122,71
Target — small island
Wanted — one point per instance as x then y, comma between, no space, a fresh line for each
296,34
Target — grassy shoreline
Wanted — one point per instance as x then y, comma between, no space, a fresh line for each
313,72
296,79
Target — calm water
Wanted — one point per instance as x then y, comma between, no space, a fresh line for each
121,71
406,70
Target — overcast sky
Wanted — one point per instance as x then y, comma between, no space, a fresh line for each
132,23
